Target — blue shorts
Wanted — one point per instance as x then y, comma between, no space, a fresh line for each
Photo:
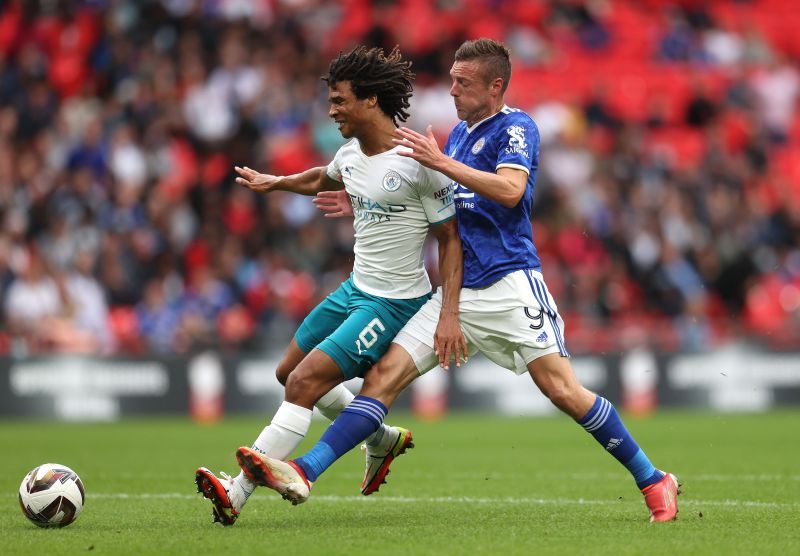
355,328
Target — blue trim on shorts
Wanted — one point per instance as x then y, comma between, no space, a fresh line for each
539,291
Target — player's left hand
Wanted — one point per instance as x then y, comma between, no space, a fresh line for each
424,148
449,341
333,204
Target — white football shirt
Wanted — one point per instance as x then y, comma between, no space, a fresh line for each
395,199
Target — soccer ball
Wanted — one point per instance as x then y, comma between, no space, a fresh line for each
51,495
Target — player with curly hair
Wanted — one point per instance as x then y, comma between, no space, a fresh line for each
505,309
395,201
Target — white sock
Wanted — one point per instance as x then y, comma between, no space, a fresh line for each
331,405
379,435
280,438
246,485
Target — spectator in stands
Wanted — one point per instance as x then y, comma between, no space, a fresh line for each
777,88
32,300
119,123
159,319
88,301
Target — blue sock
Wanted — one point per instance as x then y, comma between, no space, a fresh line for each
603,422
353,425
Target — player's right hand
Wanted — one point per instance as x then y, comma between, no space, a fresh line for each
333,204
260,183
449,341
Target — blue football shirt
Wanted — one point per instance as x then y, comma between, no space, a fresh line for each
496,240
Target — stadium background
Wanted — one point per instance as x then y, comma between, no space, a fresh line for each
135,277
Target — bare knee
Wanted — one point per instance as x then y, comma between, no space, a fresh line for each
381,380
283,371
305,388
572,399
289,362
389,376
560,395
557,381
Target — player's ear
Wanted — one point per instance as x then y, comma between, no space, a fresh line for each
496,86
372,101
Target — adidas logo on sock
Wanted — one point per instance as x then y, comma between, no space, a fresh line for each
613,443
542,338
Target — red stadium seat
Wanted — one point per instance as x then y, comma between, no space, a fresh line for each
124,326
682,146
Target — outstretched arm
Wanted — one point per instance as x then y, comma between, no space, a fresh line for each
449,339
309,182
506,186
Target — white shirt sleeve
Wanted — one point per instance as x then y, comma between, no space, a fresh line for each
334,170
436,196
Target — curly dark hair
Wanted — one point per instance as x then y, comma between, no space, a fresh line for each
371,72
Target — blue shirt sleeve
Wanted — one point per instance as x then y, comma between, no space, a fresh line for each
518,144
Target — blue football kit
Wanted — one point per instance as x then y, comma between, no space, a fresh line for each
497,240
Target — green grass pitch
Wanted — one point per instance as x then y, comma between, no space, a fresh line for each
475,484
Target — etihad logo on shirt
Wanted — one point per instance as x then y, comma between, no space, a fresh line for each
369,210
516,141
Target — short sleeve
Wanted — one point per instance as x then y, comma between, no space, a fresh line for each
518,144
436,196
334,167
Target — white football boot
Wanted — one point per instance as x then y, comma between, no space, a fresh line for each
226,495
285,477
395,442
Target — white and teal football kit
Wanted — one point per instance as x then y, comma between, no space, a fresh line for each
505,309
395,200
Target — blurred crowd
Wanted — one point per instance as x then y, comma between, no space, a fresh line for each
667,207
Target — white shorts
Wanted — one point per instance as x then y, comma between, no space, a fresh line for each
512,322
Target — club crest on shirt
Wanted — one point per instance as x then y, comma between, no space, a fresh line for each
476,148
516,142
392,181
